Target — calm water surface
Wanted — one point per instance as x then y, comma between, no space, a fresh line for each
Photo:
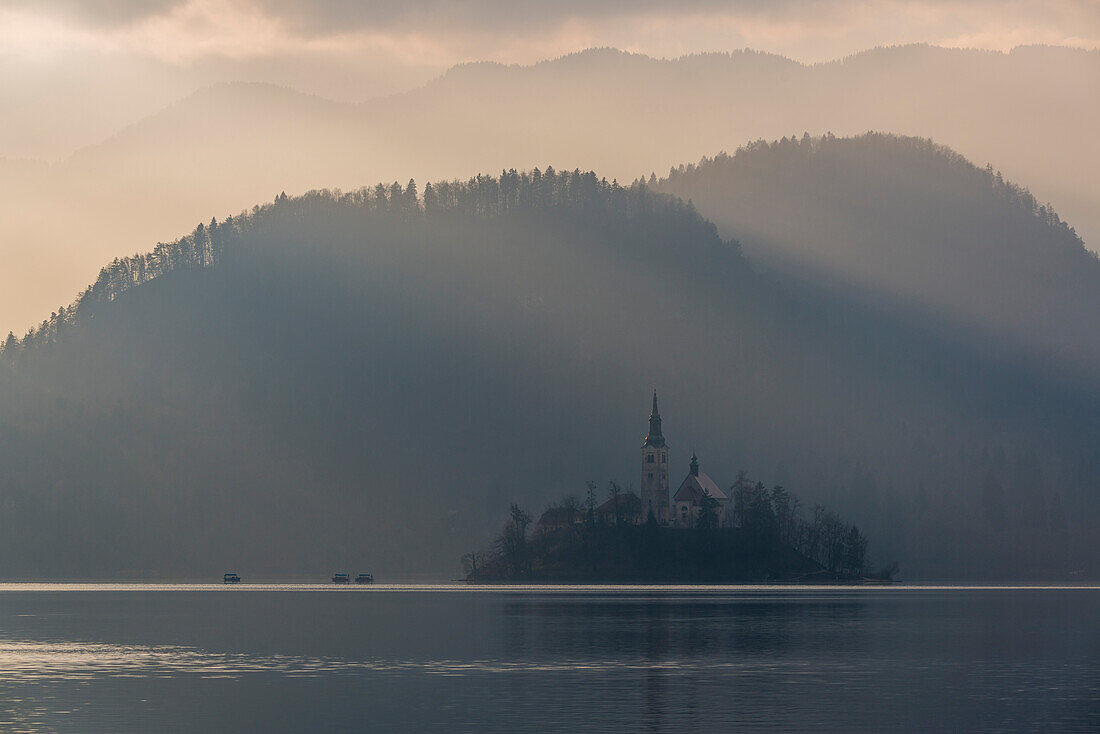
157,658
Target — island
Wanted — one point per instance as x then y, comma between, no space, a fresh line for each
702,534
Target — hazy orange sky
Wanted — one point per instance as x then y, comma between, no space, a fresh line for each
73,71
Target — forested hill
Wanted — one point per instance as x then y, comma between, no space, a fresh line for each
361,381
911,225
1030,112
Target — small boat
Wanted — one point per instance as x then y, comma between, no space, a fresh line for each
231,578
341,578
365,578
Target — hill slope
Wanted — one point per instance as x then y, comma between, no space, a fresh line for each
905,224
358,380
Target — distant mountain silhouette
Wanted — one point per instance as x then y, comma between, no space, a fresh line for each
365,379
1031,113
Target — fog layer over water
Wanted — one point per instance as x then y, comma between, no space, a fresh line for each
143,658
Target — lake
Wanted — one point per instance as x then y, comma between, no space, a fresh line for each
408,658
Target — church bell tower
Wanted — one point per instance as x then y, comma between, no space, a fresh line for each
655,470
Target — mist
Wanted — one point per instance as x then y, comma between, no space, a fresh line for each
337,373
877,319
912,228
72,73
223,148
589,365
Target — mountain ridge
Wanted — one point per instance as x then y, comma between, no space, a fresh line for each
619,114
595,52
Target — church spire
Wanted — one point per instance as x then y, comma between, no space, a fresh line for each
655,437
694,464
654,486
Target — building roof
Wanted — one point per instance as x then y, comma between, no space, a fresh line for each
560,516
691,489
629,504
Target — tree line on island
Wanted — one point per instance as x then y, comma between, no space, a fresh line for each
763,536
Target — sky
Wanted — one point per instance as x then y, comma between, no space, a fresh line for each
72,72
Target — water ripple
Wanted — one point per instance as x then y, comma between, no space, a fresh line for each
29,661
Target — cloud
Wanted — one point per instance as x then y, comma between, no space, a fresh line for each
528,15
326,16
308,19
97,12
435,34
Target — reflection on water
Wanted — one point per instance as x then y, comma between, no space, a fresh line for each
118,658
28,662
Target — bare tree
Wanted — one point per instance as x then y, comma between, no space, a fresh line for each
511,545
471,562
590,503
613,492
740,492
855,551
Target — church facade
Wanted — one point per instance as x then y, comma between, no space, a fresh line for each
694,491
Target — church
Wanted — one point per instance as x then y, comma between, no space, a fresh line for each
684,508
